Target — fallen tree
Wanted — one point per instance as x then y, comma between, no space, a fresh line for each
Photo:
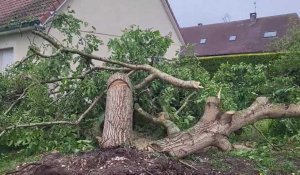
213,128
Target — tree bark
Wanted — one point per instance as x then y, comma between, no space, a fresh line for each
215,126
119,112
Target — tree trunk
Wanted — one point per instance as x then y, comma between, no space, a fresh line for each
119,111
215,126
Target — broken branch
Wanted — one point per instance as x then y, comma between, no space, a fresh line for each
263,109
152,70
146,81
82,116
42,124
171,127
184,103
17,101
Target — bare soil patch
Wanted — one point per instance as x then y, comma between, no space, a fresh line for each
127,161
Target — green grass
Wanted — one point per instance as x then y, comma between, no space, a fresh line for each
268,161
9,161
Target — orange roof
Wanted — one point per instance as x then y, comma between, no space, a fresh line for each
23,10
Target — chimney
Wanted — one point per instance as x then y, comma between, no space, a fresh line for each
200,24
253,16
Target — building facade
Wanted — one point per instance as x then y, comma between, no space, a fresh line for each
109,17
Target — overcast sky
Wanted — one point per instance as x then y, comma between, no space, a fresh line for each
192,12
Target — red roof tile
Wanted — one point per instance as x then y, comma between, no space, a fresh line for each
249,35
20,10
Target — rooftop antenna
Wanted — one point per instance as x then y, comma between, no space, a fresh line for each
226,18
254,6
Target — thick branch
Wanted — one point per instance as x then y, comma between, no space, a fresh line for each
81,77
215,126
47,38
159,74
173,80
34,50
263,109
171,127
222,143
146,81
212,110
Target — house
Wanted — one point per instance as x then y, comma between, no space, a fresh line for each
253,35
110,17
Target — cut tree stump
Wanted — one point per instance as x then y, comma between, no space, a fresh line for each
117,129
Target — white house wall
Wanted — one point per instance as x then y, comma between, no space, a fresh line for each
19,42
109,17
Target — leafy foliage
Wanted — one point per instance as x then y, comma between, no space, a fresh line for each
51,95
139,46
56,100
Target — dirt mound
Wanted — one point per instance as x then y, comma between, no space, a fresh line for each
119,161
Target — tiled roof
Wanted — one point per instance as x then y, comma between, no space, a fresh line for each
21,10
249,35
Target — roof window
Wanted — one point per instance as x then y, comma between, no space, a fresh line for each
270,34
203,41
232,38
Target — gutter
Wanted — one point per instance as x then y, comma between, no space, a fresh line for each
20,30
29,25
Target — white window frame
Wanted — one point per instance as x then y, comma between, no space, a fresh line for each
232,38
270,34
7,63
203,41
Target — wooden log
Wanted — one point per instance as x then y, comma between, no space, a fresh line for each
117,129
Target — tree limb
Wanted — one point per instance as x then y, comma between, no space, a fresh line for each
171,79
215,126
17,101
42,124
34,50
212,110
184,103
18,63
171,127
146,81
82,116
47,38
152,70
81,77
263,109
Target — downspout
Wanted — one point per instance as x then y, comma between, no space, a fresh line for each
58,8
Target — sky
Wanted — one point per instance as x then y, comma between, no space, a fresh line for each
191,12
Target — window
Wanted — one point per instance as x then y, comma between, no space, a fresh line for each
203,41
232,38
270,34
6,58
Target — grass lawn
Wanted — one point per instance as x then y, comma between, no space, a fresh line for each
8,161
